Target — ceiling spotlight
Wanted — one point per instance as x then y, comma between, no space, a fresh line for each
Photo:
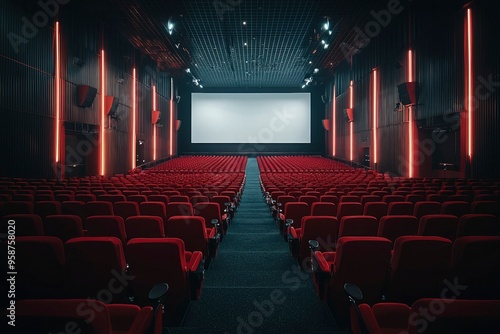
326,25
316,70
244,23
323,41
303,86
330,32
310,62
170,26
188,70
326,46
245,44
201,86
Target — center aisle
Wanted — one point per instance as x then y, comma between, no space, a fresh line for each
254,285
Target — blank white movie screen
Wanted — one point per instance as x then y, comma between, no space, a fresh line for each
264,118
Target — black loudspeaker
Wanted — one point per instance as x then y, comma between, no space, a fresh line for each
111,105
86,96
408,94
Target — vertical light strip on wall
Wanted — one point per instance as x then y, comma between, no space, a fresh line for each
375,116
134,112
410,117
58,94
103,116
470,99
334,125
154,125
351,125
171,117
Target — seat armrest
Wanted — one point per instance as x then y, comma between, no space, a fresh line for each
322,262
370,321
194,260
293,233
210,232
129,318
392,315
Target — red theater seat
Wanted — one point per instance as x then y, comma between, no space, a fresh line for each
477,224
323,209
426,208
456,208
65,315
349,209
154,260
475,264
455,316
64,227
400,208
18,207
154,209
93,263
358,226
194,233
419,267
363,261
25,224
106,226
393,227
438,225
144,227
323,229
126,209
40,267
179,209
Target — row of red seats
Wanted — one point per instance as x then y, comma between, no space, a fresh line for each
328,229
203,163
298,163
104,269
330,205
418,267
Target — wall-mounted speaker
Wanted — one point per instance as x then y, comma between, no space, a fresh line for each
86,95
408,93
349,115
326,124
111,105
155,116
177,125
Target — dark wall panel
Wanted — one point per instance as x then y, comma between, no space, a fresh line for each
437,40
27,101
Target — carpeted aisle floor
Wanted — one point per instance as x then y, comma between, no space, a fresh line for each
254,285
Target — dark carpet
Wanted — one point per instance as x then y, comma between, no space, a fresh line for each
254,285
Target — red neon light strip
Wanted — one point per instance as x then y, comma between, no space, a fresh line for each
103,116
334,127
351,103
410,121
58,93
375,116
154,125
134,111
470,105
171,116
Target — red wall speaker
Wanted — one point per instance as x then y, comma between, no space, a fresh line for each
326,124
408,94
86,96
111,105
349,115
177,125
155,116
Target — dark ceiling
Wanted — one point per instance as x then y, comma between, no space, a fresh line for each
280,44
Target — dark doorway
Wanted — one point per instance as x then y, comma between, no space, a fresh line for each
364,156
140,152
